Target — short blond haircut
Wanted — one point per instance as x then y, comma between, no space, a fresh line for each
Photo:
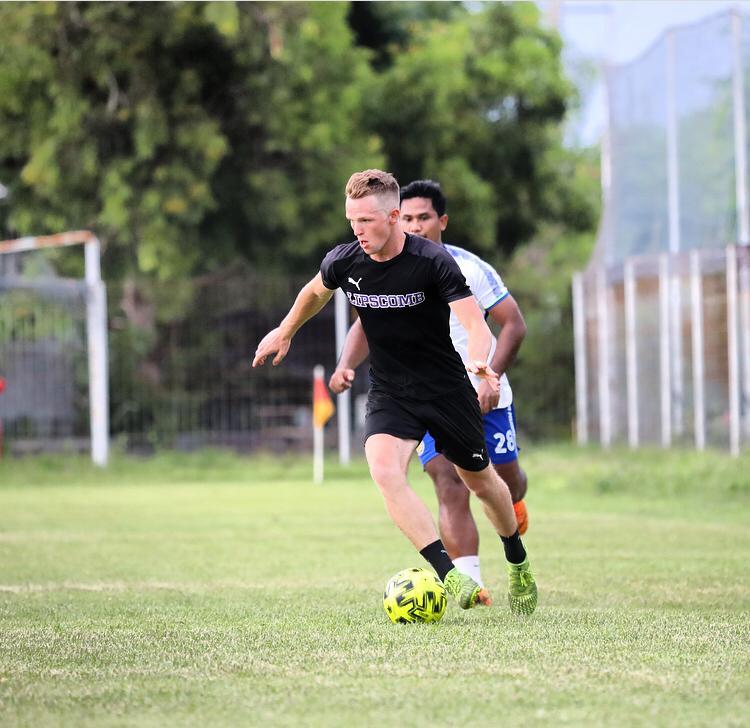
374,182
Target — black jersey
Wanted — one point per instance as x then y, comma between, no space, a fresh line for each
403,306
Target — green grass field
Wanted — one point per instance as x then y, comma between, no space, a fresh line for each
212,590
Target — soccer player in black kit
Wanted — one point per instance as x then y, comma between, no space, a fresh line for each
404,288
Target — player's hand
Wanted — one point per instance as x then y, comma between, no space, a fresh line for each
484,371
341,380
488,397
274,342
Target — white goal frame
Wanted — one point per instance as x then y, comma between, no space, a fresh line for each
96,328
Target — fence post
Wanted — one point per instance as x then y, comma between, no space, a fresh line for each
581,372
344,400
631,352
743,209
743,261
675,238
664,351
96,328
733,352
696,307
740,131
602,315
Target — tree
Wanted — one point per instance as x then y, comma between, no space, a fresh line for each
477,103
304,133
386,27
183,133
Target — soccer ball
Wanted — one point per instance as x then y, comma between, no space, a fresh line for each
414,595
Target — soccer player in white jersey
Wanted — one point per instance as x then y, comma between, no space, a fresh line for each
423,213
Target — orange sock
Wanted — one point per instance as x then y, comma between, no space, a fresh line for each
521,516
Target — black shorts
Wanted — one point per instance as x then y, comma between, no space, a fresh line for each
453,419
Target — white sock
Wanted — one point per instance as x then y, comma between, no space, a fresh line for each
469,565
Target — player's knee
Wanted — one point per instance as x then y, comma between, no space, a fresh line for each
387,475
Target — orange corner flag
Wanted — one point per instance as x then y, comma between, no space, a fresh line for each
323,407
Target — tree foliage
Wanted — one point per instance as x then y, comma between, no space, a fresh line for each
189,135
386,27
480,102
184,133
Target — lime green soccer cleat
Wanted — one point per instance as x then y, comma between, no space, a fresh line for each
465,590
521,588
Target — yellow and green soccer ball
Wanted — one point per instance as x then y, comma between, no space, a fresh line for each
414,595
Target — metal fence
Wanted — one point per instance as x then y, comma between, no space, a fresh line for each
192,384
662,314
179,367
43,362
662,350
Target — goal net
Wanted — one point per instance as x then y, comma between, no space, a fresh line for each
53,349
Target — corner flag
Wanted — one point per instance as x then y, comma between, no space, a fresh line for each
323,407
323,410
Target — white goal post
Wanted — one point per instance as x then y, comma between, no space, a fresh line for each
96,328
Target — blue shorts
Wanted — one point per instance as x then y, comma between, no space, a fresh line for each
499,434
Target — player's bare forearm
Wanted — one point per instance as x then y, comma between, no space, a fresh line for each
512,333
479,338
508,343
310,300
354,352
355,349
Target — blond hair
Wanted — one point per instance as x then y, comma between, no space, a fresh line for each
374,182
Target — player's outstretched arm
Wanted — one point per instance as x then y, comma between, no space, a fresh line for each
480,339
311,299
353,353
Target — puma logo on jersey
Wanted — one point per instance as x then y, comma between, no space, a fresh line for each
355,283
477,455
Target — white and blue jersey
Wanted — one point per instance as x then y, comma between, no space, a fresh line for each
488,289
500,425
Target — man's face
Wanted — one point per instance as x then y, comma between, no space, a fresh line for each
418,217
371,222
